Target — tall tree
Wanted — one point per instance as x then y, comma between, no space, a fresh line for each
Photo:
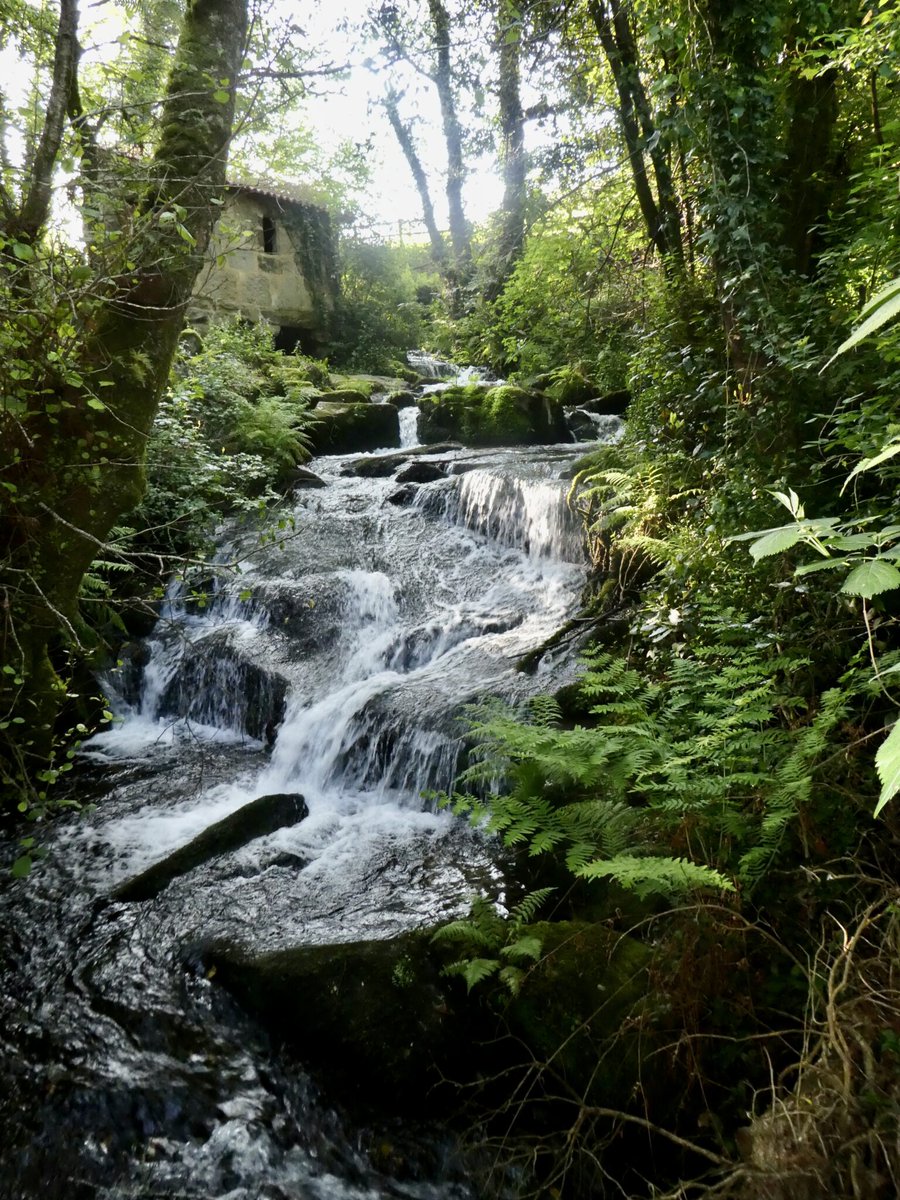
512,140
88,346
453,137
404,136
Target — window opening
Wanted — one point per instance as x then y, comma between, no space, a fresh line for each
268,235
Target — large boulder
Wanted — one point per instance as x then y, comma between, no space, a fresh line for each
354,428
497,416
370,1018
381,1025
254,820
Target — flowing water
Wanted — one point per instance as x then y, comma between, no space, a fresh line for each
335,662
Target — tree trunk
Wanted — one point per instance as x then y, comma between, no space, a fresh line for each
405,140
72,456
512,149
443,78
660,212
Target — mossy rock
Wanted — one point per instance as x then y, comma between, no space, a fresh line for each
370,1018
364,384
347,396
343,428
497,416
586,993
569,386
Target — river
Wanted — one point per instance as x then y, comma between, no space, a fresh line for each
334,662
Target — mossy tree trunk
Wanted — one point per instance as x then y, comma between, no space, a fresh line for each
74,436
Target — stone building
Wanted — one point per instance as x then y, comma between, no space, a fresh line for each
272,257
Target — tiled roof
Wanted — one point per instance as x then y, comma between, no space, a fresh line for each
283,192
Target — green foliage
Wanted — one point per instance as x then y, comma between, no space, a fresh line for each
505,938
692,753
557,307
379,316
229,429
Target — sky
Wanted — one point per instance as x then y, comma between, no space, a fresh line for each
349,112
339,109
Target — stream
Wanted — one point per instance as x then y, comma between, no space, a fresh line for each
334,663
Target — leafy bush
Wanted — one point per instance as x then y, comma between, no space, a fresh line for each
233,422
379,316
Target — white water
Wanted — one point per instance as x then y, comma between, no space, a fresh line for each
409,434
356,645
405,615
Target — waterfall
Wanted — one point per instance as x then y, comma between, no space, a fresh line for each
409,433
337,664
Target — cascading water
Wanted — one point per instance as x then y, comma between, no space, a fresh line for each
352,646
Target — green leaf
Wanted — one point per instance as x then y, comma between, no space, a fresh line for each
776,542
94,402
871,578
221,96
21,867
523,947
23,251
826,564
881,309
477,969
868,463
887,764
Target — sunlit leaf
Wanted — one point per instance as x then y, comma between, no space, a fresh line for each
871,578
887,764
776,542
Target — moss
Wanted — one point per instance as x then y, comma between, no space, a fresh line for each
343,428
500,416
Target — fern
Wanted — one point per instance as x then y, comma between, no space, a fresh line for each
699,754
504,938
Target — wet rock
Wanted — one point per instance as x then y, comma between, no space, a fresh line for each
215,685
254,820
381,465
403,497
401,399
580,425
353,428
422,472
613,402
302,477
371,1018
496,416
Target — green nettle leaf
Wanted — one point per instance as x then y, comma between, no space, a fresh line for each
882,308
776,542
887,763
827,564
871,578
867,464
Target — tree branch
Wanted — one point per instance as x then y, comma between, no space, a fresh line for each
37,200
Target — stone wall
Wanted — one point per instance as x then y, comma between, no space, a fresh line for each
272,258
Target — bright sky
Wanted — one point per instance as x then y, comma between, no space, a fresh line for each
351,113
345,110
